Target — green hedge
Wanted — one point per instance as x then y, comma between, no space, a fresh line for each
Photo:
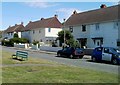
14,40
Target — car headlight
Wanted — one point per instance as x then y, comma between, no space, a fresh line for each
119,56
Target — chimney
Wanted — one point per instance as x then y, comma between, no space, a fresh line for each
56,15
30,21
42,18
15,24
21,23
103,6
75,12
9,26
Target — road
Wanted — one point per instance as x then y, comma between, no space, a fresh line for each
83,63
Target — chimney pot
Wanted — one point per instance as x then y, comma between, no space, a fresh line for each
21,23
42,18
75,12
30,21
56,15
103,6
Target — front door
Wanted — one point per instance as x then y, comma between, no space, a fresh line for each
106,55
97,43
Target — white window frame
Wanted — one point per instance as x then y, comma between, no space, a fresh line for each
84,28
97,26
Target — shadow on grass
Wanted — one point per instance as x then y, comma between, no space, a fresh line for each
18,59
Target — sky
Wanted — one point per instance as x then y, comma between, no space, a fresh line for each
13,13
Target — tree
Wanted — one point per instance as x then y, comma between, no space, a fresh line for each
69,40
68,36
16,35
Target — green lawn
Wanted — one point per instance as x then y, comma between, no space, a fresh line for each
7,59
56,73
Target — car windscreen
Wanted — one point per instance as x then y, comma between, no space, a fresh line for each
115,50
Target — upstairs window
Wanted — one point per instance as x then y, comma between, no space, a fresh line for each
33,31
83,28
97,26
49,29
71,29
115,25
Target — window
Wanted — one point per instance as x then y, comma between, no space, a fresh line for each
98,43
97,26
41,40
39,31
33,31
106,50
83,28
99,49
115,25
71,29
49,29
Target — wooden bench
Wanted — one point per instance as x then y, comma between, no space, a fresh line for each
20,55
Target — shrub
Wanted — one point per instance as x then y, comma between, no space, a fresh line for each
15,40
23,40
35,42
19,40
53,44
16,35
7,43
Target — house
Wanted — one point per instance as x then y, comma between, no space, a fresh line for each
95,27
11,30
43,30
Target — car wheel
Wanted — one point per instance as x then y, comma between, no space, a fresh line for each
71,56
80,57
93,59
58,54
114,61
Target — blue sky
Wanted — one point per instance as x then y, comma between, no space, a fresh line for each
17,12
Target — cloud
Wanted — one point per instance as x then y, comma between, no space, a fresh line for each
67,12
40,4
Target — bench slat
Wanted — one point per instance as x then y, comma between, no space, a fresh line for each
21,54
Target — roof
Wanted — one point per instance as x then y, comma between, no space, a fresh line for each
16,28
93,16
52,22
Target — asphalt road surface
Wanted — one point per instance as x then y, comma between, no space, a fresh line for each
83,63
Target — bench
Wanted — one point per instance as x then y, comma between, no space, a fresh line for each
20,55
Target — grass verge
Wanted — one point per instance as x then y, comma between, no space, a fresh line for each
7,59
55,73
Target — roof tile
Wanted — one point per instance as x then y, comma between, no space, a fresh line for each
44,23
93,16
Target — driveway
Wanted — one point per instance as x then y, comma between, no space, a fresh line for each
83,63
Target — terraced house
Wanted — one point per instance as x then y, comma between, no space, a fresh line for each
11,30
43,30
99,27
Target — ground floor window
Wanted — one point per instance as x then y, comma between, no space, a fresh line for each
98,41
83,42
118,43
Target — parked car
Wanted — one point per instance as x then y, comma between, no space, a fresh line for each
106,54
71,52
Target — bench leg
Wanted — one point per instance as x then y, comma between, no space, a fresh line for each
14,56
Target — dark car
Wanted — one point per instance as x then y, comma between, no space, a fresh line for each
71,52
106,54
